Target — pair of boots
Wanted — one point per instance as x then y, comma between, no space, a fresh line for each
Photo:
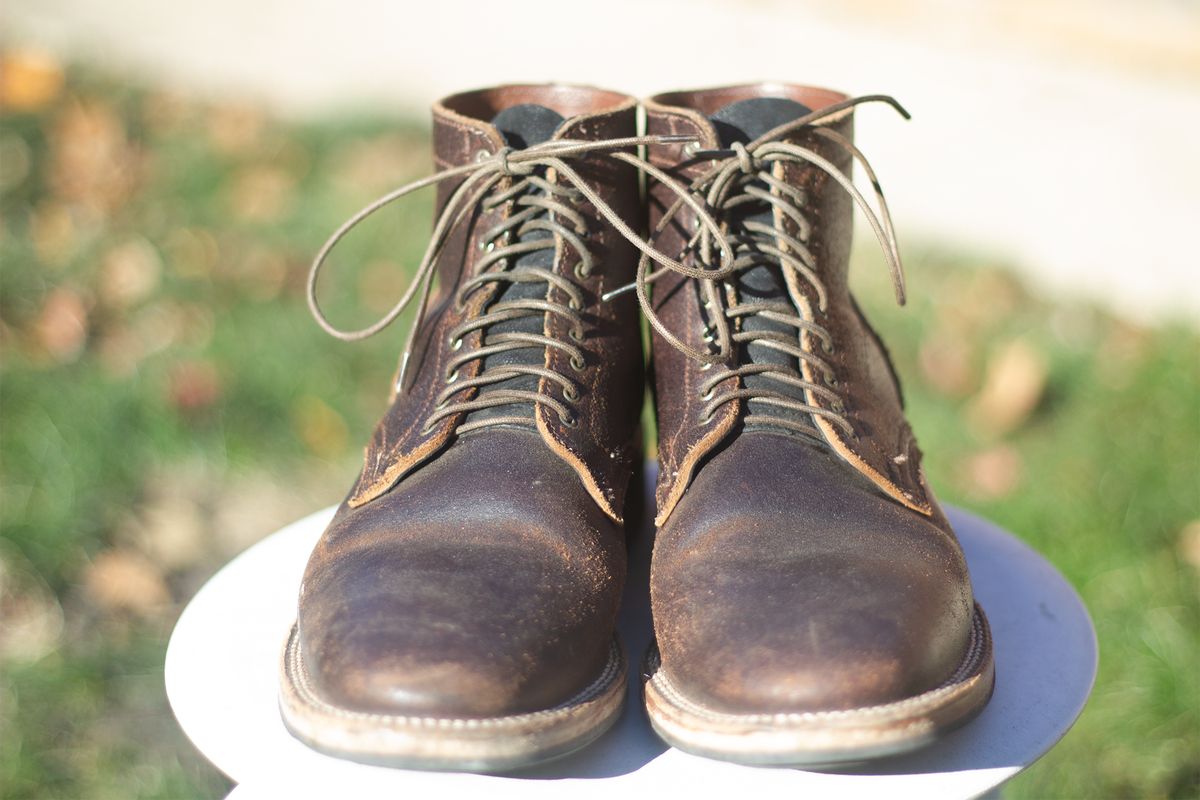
811,603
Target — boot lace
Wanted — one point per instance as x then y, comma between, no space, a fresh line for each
742,177
536,204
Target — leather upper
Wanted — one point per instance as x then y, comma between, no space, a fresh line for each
793,575
603,447
479,575
882,447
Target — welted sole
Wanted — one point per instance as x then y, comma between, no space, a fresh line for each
489,744
823,738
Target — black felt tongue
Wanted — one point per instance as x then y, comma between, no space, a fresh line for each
743,122
522,126
746,120
527,124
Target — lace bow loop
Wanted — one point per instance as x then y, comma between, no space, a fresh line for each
481,176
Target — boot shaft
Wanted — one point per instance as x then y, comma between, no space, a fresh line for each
591,364
843,388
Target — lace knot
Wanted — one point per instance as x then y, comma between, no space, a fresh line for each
746,161
507,168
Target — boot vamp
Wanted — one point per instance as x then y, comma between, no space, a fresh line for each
785,582
484,584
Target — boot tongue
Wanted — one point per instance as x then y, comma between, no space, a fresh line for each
743,122
746,120
527,124
521,126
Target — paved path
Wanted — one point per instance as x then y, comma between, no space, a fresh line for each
1063,141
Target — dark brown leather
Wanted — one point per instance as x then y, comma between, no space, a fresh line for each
478,575
790,576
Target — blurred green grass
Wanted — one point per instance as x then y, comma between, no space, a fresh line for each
165,399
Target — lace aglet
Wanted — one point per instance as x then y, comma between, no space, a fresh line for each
716,153
402,375
676,138
617,292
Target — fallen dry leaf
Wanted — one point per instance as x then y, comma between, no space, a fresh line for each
121,579
262,273
119,350
129,273
1189,543
1013,385
194,386
166,112
368,168
62,327
30,80
261,193
92,161
31,617
993,473
945,361
235,129
170,528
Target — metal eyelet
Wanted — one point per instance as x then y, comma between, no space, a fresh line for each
581,273
570,393
487,246
706,366
452,377
482,155
706,395
577,363
576,334
456,344
574,304
838,406
827,347
569,421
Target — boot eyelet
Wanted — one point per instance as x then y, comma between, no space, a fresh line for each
569,421
574,304
452,377
482,155
576,334
577,363
706,366
838,406
456,344
581,273
827,347
570,393
706,395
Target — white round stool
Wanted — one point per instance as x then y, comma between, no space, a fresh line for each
222,665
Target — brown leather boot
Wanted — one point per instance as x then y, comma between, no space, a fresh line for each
458,612
811,603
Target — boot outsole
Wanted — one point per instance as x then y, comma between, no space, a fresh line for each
823,738
488,744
